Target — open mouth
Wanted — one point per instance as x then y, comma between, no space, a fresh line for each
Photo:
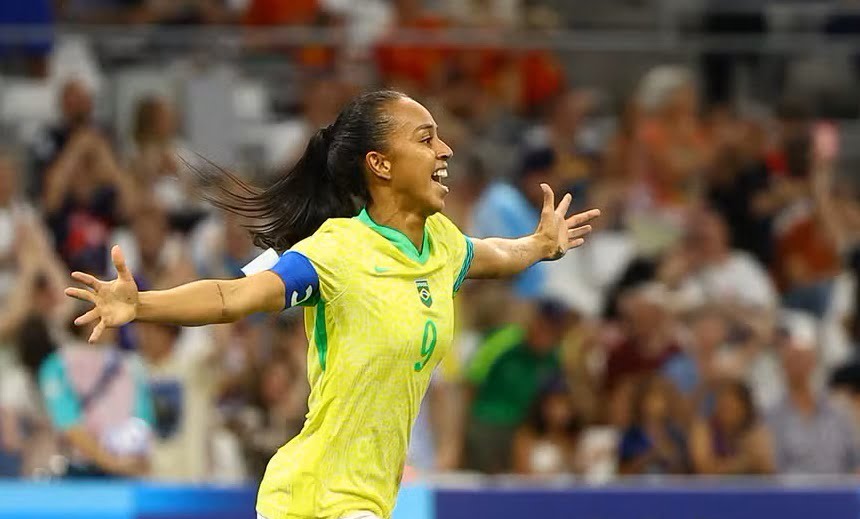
439,175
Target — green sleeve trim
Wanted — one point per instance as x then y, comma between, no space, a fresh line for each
320,335
493,347
467,262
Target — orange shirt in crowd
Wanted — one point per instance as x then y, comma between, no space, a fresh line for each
805,254
292,12
417,65
538,74
282,12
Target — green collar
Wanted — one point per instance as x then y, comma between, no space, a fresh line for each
398,239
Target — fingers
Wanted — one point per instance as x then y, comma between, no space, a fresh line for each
88,317
119,262
80,293
576,243
86,279
579,232
582,218
97,332
564,205
548,197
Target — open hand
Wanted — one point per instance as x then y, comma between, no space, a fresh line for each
561,233
115,301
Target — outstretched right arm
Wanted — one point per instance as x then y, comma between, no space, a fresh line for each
211,301
118,302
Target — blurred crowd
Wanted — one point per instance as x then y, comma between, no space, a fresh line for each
708,326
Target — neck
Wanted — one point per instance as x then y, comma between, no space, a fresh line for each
411,224
802,398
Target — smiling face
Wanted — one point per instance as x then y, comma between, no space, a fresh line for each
415,165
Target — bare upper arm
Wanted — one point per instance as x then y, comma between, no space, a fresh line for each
485,259
261,292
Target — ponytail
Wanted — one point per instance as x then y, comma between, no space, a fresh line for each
328,180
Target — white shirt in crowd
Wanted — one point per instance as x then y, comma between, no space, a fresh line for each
738,279
183,384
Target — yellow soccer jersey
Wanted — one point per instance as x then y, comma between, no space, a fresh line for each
384,319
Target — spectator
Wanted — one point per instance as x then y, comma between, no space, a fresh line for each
154,161
845,390
505,375
13,312
507,210
320,100
649,336
86,195
731,440
563,133
739,184
654,443
26,316
76,112
280,395
16,216
719,275
697,368
546,443
812,435
38,440
99,401
182,371
220,247
159,258
675,152
806,257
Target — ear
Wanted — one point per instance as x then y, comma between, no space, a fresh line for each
378,164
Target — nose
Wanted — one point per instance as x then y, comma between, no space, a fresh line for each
446,152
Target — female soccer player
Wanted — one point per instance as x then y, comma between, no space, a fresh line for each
376,265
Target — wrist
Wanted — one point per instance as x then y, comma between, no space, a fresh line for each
546,247
143,306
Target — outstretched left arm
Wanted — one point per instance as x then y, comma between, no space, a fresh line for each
554,236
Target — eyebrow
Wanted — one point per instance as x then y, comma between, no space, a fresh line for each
425,126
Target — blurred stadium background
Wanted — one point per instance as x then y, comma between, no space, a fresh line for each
697,358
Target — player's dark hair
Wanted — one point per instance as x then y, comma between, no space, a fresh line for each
327,181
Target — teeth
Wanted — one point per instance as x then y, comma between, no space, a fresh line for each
441,173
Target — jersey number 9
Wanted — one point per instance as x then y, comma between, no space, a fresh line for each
428,344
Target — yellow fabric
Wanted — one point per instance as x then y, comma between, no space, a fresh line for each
350,454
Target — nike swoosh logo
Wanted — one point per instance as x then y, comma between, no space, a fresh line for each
295,299
381,269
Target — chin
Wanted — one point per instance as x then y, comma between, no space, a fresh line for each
434,207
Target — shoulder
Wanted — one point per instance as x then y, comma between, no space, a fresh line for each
333,233
441,222
441,227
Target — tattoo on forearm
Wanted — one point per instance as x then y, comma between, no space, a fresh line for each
521,254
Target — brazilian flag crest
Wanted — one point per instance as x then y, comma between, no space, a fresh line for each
424,292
